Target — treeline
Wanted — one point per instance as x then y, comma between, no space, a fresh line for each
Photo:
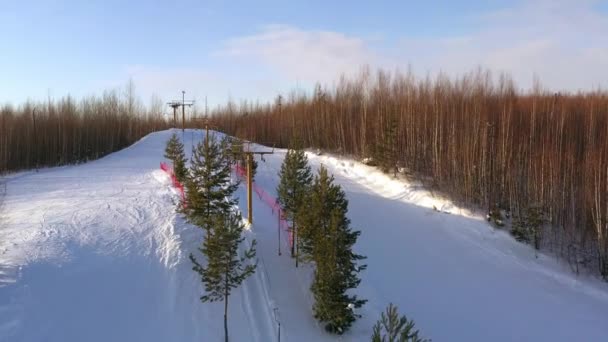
538,160
67,131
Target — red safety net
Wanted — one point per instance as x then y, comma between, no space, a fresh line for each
180,188
270,201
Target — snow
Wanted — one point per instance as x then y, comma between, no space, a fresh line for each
97,252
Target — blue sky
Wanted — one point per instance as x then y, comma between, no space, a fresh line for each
257,49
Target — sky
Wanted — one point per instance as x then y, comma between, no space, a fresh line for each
256,50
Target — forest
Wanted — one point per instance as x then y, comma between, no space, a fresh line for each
536,160
67,131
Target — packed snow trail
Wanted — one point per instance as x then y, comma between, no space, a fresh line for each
457,277
97,252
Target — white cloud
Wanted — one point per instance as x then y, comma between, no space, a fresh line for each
167,83
304,55
563,42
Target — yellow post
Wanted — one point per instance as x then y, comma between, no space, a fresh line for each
249,181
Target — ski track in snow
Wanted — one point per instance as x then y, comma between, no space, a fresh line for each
97,252
456,276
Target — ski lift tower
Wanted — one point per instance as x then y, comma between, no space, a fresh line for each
249,153
176,104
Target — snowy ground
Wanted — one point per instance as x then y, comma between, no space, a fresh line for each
96,252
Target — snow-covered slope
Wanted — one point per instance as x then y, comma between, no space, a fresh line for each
96,252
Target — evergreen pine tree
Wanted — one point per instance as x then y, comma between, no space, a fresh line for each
328,240
315,212
174,151
209,188
385,151
225,269
392,328
295,179
527,227
170,147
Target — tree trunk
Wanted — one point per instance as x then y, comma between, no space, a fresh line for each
226,316
293,239
295,243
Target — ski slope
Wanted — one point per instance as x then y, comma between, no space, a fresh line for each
97,252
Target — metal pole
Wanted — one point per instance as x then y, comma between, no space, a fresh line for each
279,229
183,110
174,117
35,154
295,242
249,185
276,318
280,100
207,135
